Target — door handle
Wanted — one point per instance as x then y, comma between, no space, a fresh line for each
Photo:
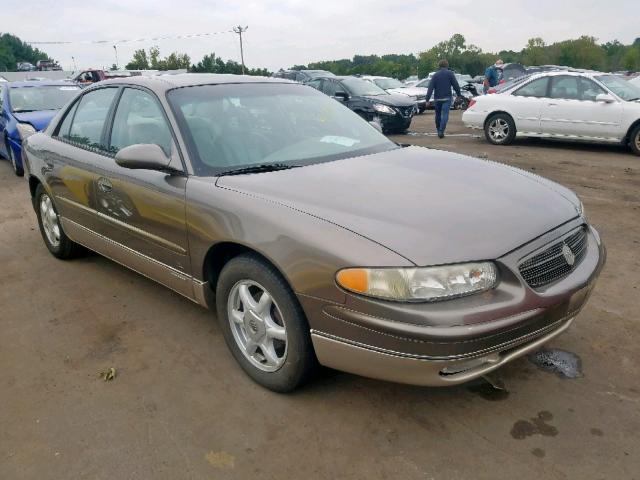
104,185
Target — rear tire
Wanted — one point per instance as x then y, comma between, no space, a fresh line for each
55,239
634,140
500,129
269,339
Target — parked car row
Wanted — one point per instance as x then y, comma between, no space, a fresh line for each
315,238
574,105
26,108
392,112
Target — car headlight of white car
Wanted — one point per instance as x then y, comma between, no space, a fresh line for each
378,107
25,130
420,284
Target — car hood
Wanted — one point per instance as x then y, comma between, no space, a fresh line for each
431,207
39,120
393,99
414,91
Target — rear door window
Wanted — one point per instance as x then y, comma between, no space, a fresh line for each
88,123
537,88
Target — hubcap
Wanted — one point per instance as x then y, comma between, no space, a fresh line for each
498,129
12,158
638,141
50,222
257,325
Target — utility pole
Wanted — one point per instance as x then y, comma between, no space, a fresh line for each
240,30
116,50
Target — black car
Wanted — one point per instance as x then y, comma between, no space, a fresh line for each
301,76
393,112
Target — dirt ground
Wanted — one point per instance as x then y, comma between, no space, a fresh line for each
180,408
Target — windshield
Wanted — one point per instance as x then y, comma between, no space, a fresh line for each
33,99
511,83
386,83
357,86
317,73
463,78
236,125
622,88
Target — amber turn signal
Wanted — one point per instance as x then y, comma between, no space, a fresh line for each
354,279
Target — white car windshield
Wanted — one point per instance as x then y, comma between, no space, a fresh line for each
242,125
622,88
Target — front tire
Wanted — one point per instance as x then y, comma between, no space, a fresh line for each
634,140
500,129
55,239
264,325
18,170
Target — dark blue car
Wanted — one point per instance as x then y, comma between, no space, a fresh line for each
26,108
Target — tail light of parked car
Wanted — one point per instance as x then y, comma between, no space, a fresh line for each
472,102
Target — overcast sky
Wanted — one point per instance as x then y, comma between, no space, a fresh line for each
287,32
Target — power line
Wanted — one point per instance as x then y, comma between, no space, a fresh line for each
130,40
240,30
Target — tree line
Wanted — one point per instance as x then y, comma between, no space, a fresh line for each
583,52
175,61
13,50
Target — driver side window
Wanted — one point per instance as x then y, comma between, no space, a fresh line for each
565,88
139,119
589,90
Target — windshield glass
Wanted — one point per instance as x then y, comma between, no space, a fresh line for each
318,73
511,83
357,86
33,99
622,88
388,83
236,125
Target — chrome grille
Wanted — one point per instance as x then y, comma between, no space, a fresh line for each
406,111
555,262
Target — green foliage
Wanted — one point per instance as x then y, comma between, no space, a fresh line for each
13,51
583,52
212,64
139,61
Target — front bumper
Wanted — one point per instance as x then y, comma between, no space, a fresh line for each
451,342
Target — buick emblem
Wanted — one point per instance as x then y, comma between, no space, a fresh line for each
568,255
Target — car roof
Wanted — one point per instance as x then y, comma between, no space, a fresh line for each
163,83
42,83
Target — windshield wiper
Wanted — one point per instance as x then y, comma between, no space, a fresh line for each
633,99
26,110
263,167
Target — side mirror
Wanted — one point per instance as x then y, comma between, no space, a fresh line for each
341,96
605,98
143,156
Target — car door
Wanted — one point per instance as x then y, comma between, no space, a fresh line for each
526,103
71,167
571,110
144,210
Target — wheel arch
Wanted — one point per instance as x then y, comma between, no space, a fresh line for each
634,125
496,112
33,184
219,254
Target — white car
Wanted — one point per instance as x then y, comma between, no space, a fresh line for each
572,105
391,85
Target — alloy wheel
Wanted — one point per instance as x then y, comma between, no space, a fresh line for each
637,141
257,325
499,129
50,222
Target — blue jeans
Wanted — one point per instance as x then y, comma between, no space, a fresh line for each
442,113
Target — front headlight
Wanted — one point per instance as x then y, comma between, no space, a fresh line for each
378,107
421,284
25,130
